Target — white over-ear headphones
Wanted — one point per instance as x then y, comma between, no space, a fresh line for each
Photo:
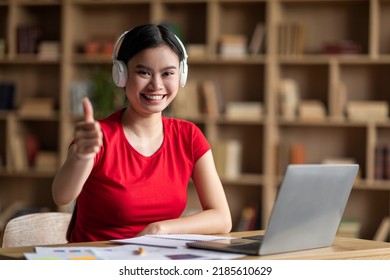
119,68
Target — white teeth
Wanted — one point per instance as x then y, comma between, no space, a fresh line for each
154,97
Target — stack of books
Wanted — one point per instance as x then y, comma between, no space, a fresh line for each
49,50
233,45
311,110
196,50
46,161
37,107
342,47
244,111
368,110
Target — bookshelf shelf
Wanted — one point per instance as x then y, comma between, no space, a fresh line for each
249,60
84,59
52,118
376,185
29,60
329,49
333,123
225,121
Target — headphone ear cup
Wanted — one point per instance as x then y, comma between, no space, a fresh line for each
183,73
119,73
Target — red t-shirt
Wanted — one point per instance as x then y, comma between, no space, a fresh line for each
126,191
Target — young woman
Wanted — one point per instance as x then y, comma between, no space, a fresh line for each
129,172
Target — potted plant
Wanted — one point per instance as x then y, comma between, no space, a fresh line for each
103,92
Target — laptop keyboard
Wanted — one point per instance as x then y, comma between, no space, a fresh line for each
252,246
259,237
248,247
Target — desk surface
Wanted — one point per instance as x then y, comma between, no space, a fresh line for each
342,248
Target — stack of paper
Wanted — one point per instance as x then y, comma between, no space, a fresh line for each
153,247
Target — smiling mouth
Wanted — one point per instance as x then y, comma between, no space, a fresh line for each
153,97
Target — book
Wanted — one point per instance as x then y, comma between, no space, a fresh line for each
228,158
281,157
339,99
2,48
211,98
196,50
250,218
386,162
233,45
7,96
291,38
368,110
257,39
28,38
297,154
16,154
281,29
382,162
311,110
46,161
379,167
49,50
383,231
246,222
37,107
244,111
32,148
342,47
300,40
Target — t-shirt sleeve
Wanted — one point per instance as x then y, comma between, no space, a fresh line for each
201,145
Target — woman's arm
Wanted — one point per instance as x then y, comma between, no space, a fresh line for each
215,217
72,175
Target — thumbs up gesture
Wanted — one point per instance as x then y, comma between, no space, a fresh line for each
88,111
88,135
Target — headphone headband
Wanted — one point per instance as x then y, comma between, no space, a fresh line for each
117,44
119,68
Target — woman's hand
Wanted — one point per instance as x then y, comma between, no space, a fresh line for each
88,135
153,228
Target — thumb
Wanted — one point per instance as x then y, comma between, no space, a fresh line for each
88,110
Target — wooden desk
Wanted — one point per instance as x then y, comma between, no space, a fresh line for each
342,249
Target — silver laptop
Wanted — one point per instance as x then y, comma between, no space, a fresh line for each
306,214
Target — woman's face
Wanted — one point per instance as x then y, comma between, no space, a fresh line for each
153,79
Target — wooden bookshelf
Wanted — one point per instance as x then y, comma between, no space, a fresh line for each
316,59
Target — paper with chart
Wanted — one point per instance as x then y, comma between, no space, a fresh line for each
126,252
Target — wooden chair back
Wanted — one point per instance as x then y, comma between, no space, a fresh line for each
37,229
